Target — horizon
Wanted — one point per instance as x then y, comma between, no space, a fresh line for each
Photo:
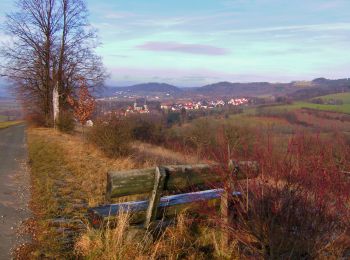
231,82
205,42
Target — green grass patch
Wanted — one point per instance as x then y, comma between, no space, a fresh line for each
345,97
9,123
340,108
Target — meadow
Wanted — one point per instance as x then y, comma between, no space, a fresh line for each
340,108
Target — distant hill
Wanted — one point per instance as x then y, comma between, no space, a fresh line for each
297,90
146,88
243,89
154,87
322,86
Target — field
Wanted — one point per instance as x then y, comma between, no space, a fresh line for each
342,108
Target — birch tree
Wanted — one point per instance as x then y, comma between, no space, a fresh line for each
52,47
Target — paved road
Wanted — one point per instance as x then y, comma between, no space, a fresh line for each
14,187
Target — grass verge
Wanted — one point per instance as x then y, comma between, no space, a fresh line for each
7,124
67,176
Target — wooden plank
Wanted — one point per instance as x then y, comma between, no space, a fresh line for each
179,177
139,207
159,179
123,183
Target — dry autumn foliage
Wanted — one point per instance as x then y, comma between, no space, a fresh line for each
85,103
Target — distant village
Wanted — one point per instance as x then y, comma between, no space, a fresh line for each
203,104
189,105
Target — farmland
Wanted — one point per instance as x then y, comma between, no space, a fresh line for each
340,108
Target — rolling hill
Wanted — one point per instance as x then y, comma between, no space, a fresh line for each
144,89
296,90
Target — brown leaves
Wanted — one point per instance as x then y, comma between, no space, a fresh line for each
84,105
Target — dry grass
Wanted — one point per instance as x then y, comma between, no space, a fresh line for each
69,175
184,240
159,155
87,164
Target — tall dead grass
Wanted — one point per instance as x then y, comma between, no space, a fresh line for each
185,240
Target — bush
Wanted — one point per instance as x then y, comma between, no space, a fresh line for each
112,137
298,206
147,128
173,118
35,119
66,122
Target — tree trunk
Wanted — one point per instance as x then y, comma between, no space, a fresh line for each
55,104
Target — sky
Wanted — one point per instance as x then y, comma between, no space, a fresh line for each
198,42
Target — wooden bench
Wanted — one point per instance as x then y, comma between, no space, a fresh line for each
171,178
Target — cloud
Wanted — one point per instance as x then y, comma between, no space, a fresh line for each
330,5
176,21
199,49
119,15
293,51
119,56
295,28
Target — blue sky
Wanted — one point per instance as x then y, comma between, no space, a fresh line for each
197,42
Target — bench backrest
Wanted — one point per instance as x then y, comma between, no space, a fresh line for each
170,178
176,177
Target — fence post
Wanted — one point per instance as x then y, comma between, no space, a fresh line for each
224,207
159,179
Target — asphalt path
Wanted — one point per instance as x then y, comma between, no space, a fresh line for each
14,188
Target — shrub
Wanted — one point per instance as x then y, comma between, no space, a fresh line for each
298,206
35,119
112,137
284,223
173,118
65,122
147,128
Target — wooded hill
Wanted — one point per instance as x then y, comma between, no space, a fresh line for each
296,90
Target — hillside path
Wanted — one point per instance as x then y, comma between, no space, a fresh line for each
14,187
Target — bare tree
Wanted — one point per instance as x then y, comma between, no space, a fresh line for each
52,47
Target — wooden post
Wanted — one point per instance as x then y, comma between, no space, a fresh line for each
224,207
224,220
159,179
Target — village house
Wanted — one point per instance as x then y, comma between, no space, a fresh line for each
202,104
136,108
238,101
